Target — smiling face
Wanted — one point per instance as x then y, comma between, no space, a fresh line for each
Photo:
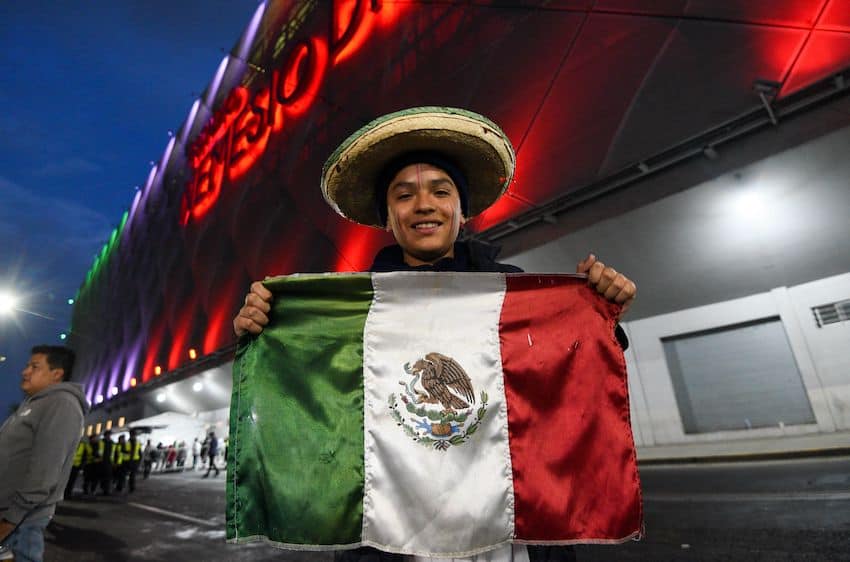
38,375
423,213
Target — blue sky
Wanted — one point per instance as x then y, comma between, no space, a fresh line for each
89,91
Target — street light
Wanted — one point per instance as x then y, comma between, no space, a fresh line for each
8,302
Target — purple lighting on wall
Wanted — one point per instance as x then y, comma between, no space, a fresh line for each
190,122
209,101
247,39
113,378
166,155
134,205
151,177
132,365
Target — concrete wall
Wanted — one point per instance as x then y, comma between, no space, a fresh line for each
822,356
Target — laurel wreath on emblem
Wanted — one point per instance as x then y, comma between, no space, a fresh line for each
439,411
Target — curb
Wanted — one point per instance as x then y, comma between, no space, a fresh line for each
742,457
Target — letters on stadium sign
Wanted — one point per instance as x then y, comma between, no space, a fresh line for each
237,134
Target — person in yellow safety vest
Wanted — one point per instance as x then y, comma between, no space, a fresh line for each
91,465
106,456
118,464
83,452
132,451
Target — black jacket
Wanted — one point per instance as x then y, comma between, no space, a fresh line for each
470,255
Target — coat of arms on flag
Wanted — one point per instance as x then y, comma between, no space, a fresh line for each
447,386
496,404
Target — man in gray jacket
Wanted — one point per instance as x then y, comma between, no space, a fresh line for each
37,450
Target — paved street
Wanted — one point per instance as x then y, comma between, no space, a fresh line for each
768,510
753,511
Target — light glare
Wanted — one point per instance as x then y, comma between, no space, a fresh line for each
7,303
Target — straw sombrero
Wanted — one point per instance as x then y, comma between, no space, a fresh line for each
477,145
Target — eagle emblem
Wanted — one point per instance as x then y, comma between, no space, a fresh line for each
438,402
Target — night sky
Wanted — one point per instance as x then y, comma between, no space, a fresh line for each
89,91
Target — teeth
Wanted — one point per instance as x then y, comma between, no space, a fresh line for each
427,225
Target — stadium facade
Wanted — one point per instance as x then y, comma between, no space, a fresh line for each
580,88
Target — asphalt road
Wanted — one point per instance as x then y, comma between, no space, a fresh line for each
751,511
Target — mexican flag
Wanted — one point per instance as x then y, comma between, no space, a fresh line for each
437,414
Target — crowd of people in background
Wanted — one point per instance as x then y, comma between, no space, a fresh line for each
105,464
110,466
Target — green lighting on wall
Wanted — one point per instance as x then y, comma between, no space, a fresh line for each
102,258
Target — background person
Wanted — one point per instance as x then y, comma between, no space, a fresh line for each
37,443
107,446
196,452
81,457
212,451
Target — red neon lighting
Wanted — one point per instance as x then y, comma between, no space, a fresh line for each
826,52
220,309
179,336
217,327
149,370
291,83
219,125
237,135
352,22
357,248
250,135
305,77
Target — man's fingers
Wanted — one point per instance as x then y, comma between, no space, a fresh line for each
253,300
606,277
594,274
255,315
252,317
244,324
616,286
627,293
584,265
255,328
260,290
240,325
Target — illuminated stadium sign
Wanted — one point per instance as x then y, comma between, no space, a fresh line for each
238,133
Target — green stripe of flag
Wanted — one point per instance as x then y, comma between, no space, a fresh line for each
296,433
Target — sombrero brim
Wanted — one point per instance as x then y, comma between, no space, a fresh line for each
476,144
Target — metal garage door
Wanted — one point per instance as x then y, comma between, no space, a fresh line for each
737,377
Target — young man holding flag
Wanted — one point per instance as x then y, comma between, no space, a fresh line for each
421,174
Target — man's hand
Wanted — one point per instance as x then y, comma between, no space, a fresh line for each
6,528
614,286
253,317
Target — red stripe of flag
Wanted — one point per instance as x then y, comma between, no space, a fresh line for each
572,452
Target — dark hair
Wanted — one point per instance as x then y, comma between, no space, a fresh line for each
58,357
436,159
